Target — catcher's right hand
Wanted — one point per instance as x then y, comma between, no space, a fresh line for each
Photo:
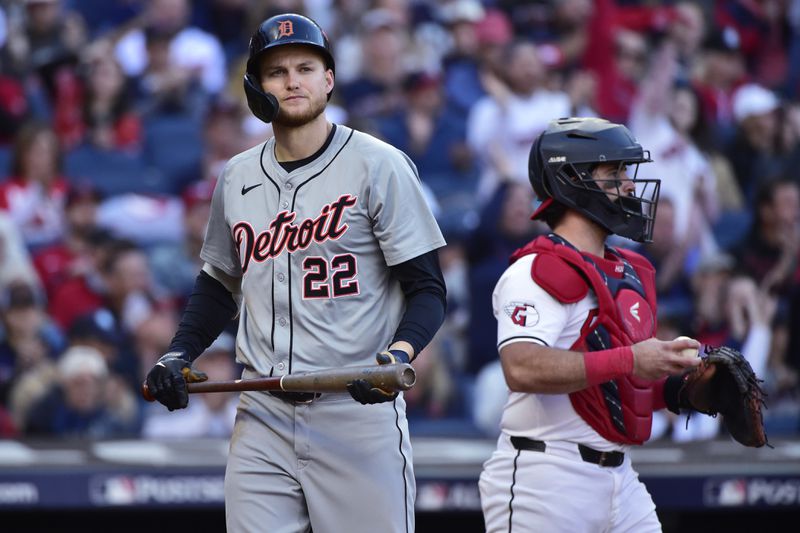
723,383
166,381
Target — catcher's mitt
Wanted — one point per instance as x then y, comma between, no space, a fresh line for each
724,383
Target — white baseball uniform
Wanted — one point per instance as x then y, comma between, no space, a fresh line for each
313,249
554,490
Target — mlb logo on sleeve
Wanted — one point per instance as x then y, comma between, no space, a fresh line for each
522,314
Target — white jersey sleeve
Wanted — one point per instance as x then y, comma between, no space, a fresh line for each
524,311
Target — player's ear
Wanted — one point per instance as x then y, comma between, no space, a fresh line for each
329,82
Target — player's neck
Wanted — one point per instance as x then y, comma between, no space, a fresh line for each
294,144
582,233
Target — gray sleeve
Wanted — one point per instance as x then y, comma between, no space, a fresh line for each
402,220
219,250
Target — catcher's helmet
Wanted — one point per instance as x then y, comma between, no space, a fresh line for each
279,30
560,169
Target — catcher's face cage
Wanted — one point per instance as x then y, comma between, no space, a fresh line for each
560,167
280,30
604,201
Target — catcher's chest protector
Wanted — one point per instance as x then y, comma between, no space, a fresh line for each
624,284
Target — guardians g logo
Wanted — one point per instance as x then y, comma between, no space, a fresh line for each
522,314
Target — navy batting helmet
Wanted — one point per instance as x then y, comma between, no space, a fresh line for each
560,169
279,30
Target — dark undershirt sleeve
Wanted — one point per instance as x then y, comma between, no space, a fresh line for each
209,310
426,299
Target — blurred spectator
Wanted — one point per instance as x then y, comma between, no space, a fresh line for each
208,415
119,280
770,255
102,114
29,338
686,32
14,106
101,330
46,42
377,88
668,256
605,40
755,149
505,225
80,403
433,135
223,136
439,401
191,51
462,63
662,119
175,264
15,262
503,125
720,71
35,193
763,31
226,20
164,88
82,293
69,258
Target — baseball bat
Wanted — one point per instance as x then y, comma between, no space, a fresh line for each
391,377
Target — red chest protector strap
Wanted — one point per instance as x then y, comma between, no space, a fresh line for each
620,410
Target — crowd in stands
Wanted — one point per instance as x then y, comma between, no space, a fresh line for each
116,117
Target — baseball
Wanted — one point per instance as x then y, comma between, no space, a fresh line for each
688,352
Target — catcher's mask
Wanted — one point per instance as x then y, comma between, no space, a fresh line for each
279,30
560,169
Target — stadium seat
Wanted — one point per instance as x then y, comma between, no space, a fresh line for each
174,145
114,172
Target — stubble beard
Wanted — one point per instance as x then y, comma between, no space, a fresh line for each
301,118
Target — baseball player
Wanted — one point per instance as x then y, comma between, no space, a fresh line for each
576,323
322,240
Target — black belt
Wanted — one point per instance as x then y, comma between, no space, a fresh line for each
590,455
296,397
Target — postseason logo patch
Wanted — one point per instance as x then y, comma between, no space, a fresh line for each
522,314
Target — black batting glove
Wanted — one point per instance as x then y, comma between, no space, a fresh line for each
363,392
167,380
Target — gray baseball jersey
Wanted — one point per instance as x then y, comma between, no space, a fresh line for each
312,248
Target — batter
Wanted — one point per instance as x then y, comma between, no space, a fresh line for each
322,240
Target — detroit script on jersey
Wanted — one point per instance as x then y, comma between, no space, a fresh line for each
283,234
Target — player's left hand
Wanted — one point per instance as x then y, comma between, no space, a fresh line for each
363,392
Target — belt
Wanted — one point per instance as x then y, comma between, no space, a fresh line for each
590,455
296,397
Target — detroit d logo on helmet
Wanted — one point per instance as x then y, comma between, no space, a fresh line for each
522,314
285,28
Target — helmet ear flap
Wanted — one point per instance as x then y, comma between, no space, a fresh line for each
537,171
263,105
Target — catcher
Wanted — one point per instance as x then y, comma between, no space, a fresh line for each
576,320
